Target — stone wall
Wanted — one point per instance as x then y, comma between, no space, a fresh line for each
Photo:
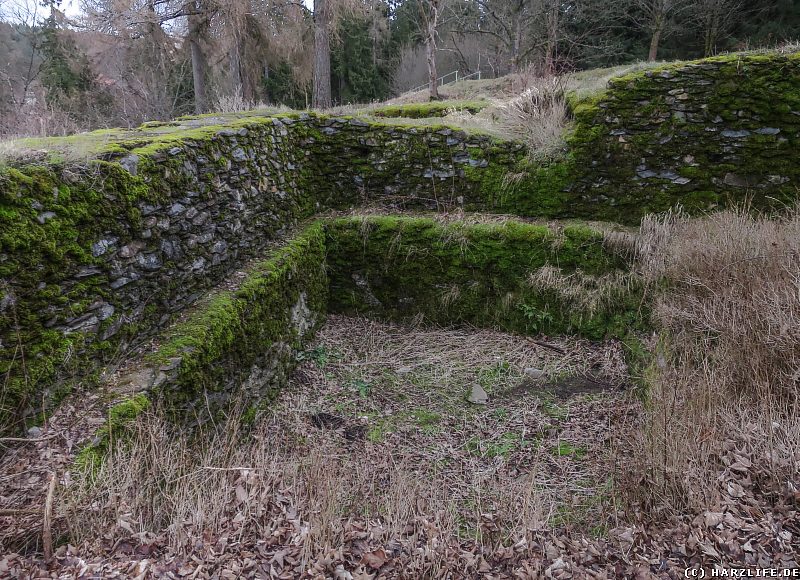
516,276
239,343
97,257
704,134
235,347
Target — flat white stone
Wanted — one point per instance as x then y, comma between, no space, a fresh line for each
478,396
533,373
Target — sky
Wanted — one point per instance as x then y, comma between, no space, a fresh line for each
71,8
10,8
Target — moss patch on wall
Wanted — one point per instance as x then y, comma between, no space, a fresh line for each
249,336
94,253
239,346
426,110
120,416
515,276
703,134
48,273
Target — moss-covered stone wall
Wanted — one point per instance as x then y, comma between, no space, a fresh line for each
520,277
235,347
704,134
98,255
428,110
240,343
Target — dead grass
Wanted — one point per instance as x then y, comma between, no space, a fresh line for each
583,293
724,387
589,82
789,47
538,115
373,440
373,460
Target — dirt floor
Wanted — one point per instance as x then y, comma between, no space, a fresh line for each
374,463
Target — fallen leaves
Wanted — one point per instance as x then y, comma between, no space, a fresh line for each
375,559
317,511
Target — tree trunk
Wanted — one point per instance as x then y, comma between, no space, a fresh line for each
196,25
431,21
237,85
155,59
516,44
654,40
711,32
321,97
552,38
433,83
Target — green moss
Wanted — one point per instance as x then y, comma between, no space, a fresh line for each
229,332
398,268
49,229
120,416
567,449
746,91
639,360
503,446
425,418
52,212
431,109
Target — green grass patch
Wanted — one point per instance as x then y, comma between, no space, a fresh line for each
427,110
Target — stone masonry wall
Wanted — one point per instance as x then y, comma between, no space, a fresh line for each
98,256
704,134
95,258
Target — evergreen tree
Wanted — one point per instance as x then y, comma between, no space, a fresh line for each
66,74
360,71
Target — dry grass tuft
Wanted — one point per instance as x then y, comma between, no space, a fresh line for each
582,293
539,115
735,289
236,103
725,382
789,47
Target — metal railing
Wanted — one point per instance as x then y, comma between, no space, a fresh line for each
441,80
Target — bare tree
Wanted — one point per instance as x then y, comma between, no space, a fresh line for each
135,45
430,12
198,25
508,23
657,17
28,18
716,18
132,20
321,96
545,33
579,27
551,10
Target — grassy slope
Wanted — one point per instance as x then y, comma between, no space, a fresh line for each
471,105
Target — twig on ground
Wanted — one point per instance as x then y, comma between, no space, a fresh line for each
552,347
47,530
19,512
28,439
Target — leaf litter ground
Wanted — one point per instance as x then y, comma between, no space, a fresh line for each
372,463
